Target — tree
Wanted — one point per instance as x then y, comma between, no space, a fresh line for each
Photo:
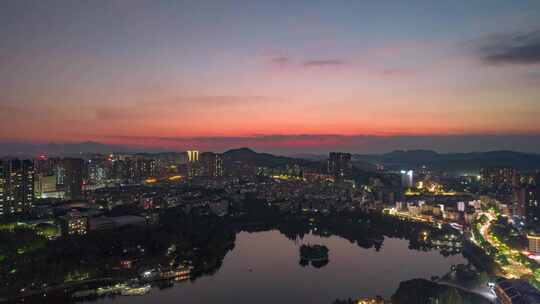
449,296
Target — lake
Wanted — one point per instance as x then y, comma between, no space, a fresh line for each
264,267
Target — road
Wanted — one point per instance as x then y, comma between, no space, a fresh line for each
485,293
515,269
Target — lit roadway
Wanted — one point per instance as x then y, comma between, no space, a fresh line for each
515,269
482,291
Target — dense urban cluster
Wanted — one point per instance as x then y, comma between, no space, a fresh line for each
492,215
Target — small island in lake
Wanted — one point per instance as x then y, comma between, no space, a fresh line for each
316,255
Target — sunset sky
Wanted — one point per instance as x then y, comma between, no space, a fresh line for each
274,75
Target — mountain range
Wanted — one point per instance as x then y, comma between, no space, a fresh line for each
24,149
472,161
398,159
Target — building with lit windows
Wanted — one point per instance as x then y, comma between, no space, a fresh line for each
74,224
193,163
212,164
3,189
532,206
140,168
407,178
98,171
497,177
340,165
192,156
16,187
45,187
534,243
519,197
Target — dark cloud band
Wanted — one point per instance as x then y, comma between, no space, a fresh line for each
511,49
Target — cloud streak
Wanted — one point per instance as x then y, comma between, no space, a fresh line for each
161,108
323,63
289,63
398,72
283,61
225,100
280,60
517,48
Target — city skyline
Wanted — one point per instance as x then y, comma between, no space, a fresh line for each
250,151
285,78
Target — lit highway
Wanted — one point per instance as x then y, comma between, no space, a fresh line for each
515,269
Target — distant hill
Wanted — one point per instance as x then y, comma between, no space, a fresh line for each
412,156
18,149
86,147
247,155
399,159
308,156
454,161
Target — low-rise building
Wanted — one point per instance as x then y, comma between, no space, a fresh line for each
534,243
74,224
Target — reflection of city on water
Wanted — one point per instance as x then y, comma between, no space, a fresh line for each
140,262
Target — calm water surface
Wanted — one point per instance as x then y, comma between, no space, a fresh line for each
277,277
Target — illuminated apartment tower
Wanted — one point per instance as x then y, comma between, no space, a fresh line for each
140,168
192,156
16,186
339,165
497,177
212,164
193,165
3,188
407,178
532,206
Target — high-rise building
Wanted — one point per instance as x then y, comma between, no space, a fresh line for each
532,206
499,177
60,173
407,178
192,156
119,169
212,164
98,171
16,186
45,187
519,201
140,168
45,165
73,177
3,188
193,163
340,165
